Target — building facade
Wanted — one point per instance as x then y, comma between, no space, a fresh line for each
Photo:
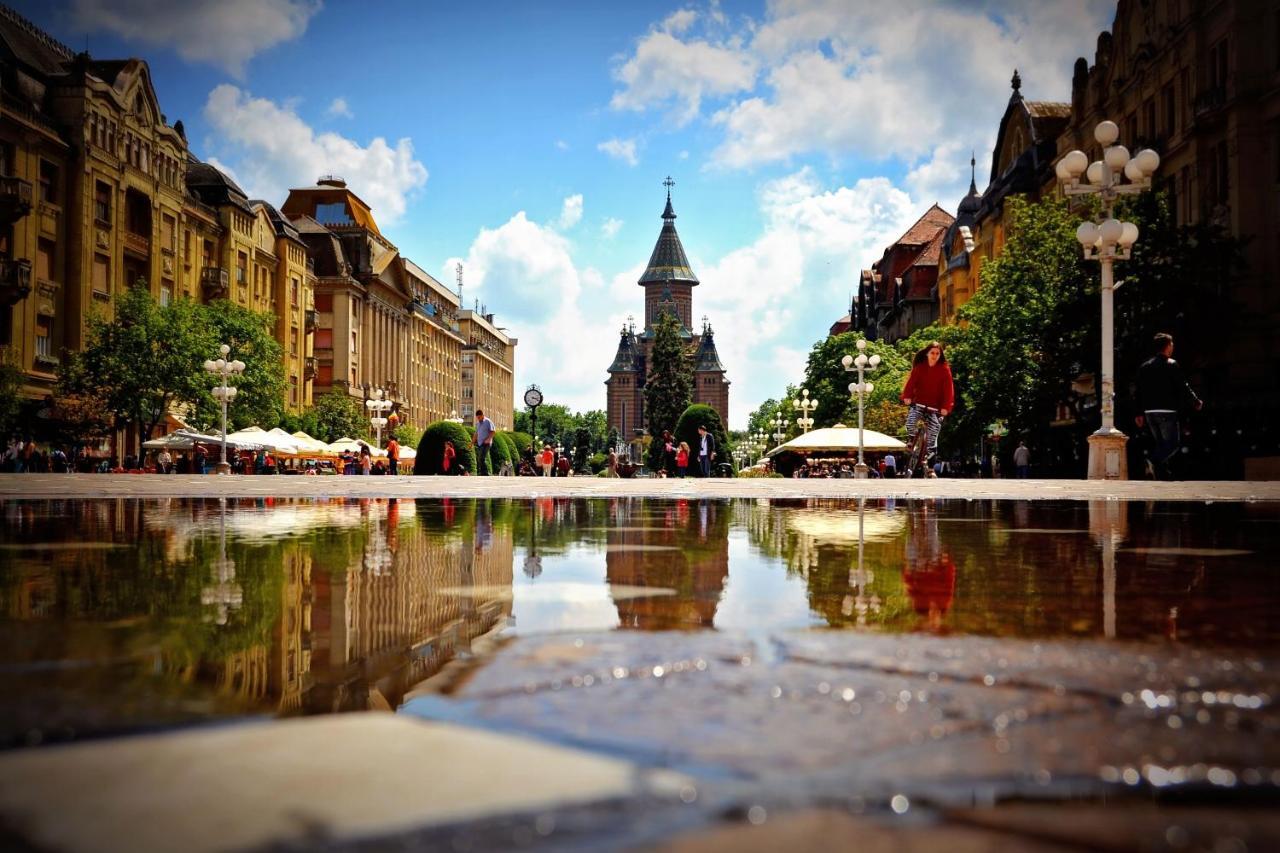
436,373
488,370
668,283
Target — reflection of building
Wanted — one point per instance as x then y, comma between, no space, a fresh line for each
685,551
379,633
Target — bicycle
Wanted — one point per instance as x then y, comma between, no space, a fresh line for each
918,446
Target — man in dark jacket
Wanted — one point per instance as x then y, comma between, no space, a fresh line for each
706,450
1162,391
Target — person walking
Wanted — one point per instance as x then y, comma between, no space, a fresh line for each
1162,391
611,464
393,455
1022,460
366,459
446,463
706,450
163,461
484,443
890,465
547,459
682,460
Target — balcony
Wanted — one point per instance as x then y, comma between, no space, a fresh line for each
15,199
215,281
15,281
312,320
1209,102
310,364
138,244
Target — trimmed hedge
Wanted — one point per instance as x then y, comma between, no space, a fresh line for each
431,449
521,442
500,452
687,431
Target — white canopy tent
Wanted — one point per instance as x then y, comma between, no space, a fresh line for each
308,446
187,439
351,445
277,441
838,439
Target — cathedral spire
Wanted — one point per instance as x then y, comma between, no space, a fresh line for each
668,263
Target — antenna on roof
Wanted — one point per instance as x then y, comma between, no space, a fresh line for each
458,270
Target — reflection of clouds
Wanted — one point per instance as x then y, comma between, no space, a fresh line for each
759,596
247,521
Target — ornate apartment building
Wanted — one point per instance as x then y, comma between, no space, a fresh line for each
668,283
488,370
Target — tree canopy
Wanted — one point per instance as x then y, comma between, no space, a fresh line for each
339,415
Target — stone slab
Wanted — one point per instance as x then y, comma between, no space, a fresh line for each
334,778
62,486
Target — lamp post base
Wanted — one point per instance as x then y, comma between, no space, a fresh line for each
860,471
1107,457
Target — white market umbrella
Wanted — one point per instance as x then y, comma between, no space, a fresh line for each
180,440
838,439
351,445
308,446
281,443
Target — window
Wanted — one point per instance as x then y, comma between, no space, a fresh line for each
44,336
293,389
333,214
293,341
44,260
324,338
324,301
102,203
166,292
101,274
208,253
294,288
1170,110
186,245
49,185
242,268
168,230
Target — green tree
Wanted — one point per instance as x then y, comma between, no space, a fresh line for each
10,386
408,435
596,423
338,414
261,388
668,387
687,431
828,381
148,360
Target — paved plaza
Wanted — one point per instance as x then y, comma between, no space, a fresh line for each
44,486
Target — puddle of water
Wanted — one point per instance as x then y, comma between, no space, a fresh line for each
117,615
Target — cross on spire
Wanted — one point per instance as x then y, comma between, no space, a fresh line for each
668,183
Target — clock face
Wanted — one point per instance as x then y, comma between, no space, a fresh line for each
533,397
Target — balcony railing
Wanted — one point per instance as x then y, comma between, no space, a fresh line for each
309,367
312,320
15,199
1210,101
137,243
15,281
214,281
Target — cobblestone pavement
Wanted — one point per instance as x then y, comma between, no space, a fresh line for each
43,486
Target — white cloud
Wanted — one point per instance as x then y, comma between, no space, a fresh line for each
570,212
848,79
683,155
679,21
620,149
562,145
339,109
665,70
273,149
610,228
227,33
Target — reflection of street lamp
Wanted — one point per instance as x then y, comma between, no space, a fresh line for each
859,580
861,388
224,393
805,405
225,595
378,406
1107,241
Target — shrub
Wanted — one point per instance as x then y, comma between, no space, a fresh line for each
687,431
499,453
756,473
521,441
431,448
597,462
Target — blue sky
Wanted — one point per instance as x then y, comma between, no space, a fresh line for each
530,141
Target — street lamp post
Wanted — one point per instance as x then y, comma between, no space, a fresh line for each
780,425
806,405
861,388
378,406
1106,242
224,393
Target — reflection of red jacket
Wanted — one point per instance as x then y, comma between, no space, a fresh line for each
931,386
931,585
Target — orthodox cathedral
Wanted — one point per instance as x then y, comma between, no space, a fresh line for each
668,284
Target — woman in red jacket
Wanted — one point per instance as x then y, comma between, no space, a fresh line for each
930,394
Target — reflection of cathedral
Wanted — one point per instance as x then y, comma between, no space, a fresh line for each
668,283
681,546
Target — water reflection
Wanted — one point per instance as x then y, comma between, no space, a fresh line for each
116,614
